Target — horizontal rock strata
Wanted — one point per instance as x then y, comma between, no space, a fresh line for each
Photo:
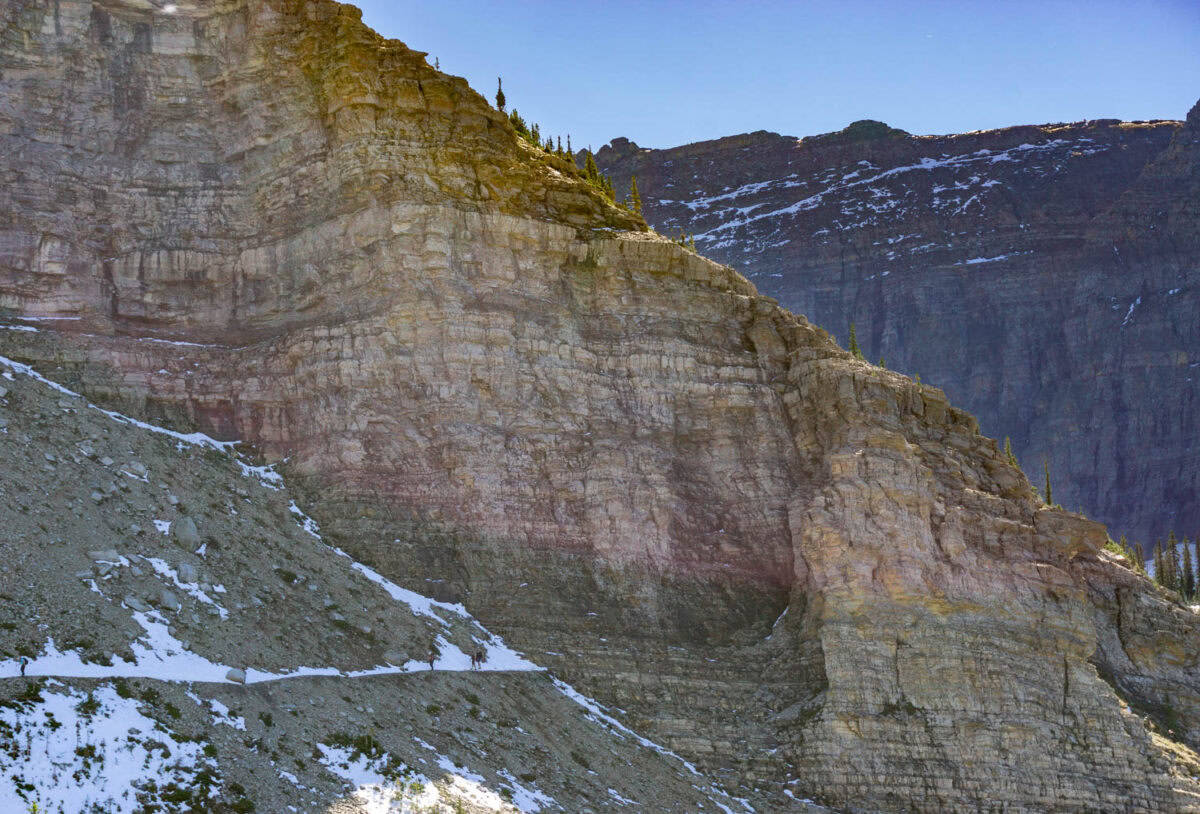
1044,276
790,565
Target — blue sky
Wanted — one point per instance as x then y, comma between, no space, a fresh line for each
669,73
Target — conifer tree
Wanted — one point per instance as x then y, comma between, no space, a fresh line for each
692,242
1008,453
854,348
1171,555
1158,562
518,123
1196,561
1188,581
1131,552
1049,496
500,94
882,363
560,149
569,147
635,200
590,170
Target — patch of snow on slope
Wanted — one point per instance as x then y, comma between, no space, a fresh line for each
382,785
221,714
421,605
376,784
191,588
1129,313
974,261
526,799
613,793
599,715
850,182
72,759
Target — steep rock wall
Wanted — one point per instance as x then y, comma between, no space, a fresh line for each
1044,276
793,566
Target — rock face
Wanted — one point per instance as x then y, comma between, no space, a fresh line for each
809,574
247,690
1045,277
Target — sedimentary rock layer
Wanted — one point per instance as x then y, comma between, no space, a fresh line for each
802,570
1044,276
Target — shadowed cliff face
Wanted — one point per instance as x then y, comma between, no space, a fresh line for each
807,573
1044,276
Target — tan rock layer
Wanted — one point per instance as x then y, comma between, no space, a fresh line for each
615,451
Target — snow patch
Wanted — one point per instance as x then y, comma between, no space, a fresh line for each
191,588
81,760
526,799
1129,313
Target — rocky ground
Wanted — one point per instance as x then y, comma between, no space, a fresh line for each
193,644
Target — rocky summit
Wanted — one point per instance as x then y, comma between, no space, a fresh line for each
1044,276
493,392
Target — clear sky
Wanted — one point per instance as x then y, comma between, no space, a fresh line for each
668,73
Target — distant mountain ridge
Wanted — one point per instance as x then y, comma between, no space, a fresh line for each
1044,276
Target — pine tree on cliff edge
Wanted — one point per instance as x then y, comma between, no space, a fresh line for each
1171,557
854,348
1188,583
1196,560
500,94
1012,459
590,170
635,200
1132,553
1049,495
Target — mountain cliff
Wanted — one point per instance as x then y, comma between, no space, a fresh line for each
1043,276
812,576
194,644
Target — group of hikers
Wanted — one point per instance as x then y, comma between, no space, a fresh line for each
477,658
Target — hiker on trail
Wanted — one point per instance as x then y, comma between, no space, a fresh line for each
478,659
24,664
432,657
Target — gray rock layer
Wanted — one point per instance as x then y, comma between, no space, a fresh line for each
1045,277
